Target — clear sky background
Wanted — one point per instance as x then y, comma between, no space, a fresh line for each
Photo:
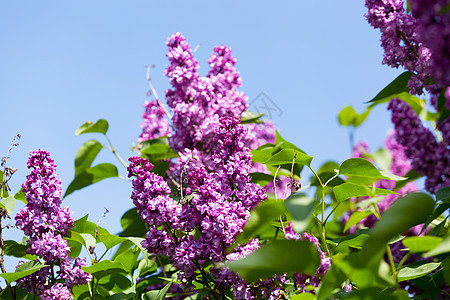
63,63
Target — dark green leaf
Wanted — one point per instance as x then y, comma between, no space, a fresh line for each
355,241
86,155
418,244
100,126
276,258
91,176
261,178
443,195
397,86
12,248
23,270
132,224
250,117
375,294
415,270
301,208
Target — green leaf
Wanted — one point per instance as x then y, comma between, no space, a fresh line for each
397,86
110,240
157,295
356,217
349,190
91,176
411,176
303,296
85,239
128,259
132,224
361,118
347,116
86,155
446,269
375,294
13,248
406,212
276,258
443,247
355,241
261,178
382,158
286,156
20,196
443,195
5,190
332,280
418,244
156,152
416,270
100,126
23,270
261,218
104,268
146,266
280,141
250,117
8,204
361,167
301,208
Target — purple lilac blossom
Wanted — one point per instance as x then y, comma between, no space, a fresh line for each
433,31
155,124
45,221
219,207
400,41
428,156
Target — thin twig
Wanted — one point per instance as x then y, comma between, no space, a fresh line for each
152,88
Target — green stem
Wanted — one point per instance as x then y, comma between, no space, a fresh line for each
115,153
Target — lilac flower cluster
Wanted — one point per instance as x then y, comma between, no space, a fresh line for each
45,222
155,124
399,40
428,156
218,209
433,17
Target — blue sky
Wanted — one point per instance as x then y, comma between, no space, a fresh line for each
63,63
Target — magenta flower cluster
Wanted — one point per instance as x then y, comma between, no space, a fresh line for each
433,17
428,156
399,40
154,125
217,208
45,222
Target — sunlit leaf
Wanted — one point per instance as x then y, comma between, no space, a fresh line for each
101,126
